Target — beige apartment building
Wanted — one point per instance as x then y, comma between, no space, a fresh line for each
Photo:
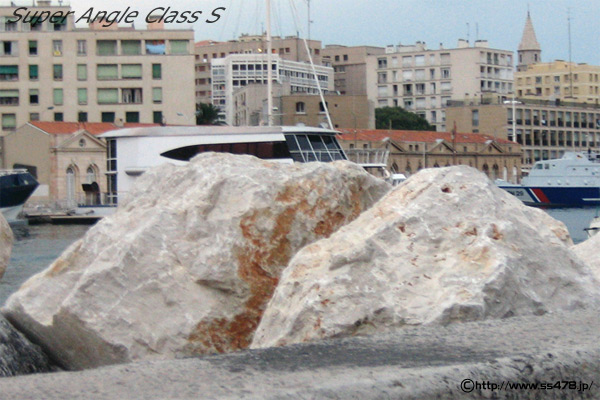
54,71
559,80
411,151
290,48
544,129
345,111
349,67
423,81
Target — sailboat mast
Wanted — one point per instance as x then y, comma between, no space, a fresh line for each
269,68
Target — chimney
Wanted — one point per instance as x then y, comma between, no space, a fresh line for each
157,23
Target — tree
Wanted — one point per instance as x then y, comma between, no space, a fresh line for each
399,118
207,114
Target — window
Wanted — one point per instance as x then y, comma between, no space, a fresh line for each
81,72
108,96
34,96
420,60
34,116
108,116
33,50
322,107
9,121
57,47
156,71
156,47
345,57
10,72
382,62
131,47
445,73
179,46
11,26
82,116
82,47
9,97
131,96
60,24
106,47
475,117
82,96
131,71
300,107
445,58
57,73
35,25
58,97
58,117
337,58
107,71
9,48
132,116
157,95
157,117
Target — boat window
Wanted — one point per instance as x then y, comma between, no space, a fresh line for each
264,150
539,166
546,166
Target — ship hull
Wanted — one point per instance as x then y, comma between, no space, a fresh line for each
556,196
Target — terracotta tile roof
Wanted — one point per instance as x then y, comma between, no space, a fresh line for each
95,128
415,136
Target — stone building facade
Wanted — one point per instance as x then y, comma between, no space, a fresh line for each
410,151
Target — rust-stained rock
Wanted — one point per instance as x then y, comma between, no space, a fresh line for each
446,246
187,265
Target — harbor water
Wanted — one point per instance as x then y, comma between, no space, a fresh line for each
37,246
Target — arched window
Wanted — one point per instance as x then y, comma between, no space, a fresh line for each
495,172
300,107
70,186
91,174
486,169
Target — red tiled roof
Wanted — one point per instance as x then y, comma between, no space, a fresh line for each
95,128
414,136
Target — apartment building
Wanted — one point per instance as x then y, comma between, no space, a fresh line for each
544,129
424,81
54,71
238,70
349,67
291,48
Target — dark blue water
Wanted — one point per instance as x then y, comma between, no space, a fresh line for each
35,247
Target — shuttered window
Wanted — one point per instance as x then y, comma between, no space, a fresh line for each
108,96
82,96
58,97
157,95
131,71
106,47
179,47
81,72
131,47
107,71
156,71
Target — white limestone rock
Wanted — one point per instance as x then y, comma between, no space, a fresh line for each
587,251
445,246
6,242
188,263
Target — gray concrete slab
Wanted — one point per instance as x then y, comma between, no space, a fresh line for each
414,363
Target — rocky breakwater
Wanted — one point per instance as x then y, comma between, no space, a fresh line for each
446,246
587,251
6,242
187,265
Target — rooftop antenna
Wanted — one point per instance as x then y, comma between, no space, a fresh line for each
468,33
309,21
570,60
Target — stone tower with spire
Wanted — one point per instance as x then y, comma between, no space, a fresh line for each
530,51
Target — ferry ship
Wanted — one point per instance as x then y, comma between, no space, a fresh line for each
16,185
570,181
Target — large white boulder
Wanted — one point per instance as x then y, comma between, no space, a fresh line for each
445,246
187,265
6,242
588,252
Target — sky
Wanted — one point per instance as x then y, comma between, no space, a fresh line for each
386,22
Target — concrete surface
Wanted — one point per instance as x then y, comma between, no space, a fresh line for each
414,363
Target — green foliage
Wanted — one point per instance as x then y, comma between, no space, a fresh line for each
399,118
207,114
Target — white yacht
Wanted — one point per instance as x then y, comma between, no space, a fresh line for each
132,151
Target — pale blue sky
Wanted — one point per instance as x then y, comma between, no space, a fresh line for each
383,22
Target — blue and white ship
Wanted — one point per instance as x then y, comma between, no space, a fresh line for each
570,181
